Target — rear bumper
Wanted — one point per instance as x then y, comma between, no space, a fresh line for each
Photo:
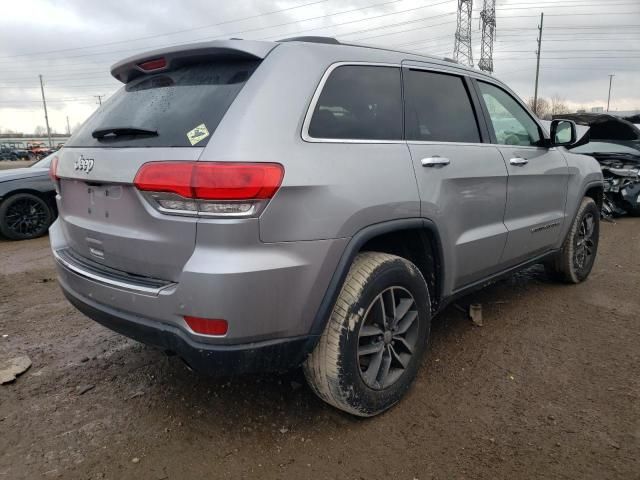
271,355
268,293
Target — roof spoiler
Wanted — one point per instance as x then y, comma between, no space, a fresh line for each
166,58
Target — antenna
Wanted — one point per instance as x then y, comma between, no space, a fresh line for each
462,50
488,19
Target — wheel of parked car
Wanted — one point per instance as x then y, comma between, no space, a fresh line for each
578,253
634,212
24,216
372,345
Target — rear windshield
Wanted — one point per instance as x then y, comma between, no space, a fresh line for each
183,106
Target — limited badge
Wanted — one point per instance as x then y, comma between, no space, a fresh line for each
198,134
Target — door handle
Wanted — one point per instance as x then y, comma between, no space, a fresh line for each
518,161
435,161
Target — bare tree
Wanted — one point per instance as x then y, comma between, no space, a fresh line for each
542,109
40,131
558,105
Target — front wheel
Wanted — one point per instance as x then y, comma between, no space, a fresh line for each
575,260
372,346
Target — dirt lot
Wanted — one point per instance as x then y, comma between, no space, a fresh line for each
548,388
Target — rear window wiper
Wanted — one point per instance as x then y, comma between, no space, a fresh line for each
122,131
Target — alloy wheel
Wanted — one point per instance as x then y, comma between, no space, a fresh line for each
27,217
585,244
388,337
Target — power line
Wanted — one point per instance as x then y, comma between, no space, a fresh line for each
571,14
555,5
404,31
571,51
368,19
175,32
142,49
239,32
572,27
601,57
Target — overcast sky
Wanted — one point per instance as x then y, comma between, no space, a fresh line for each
72,43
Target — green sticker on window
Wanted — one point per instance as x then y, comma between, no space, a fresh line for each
198,134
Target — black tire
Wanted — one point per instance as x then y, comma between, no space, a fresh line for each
634,212
334,370
575,260
24,216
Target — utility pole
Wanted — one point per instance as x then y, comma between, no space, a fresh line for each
99,97
46,115
535,95
609,98
68,127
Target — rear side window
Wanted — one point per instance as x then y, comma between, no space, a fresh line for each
184,106
359,102
438,108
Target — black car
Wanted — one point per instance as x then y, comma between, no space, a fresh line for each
27,201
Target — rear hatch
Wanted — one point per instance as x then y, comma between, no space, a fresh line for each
171,103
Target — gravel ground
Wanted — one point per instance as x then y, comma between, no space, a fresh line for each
547,388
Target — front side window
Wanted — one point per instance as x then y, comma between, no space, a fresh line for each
359,102
438,108
511,123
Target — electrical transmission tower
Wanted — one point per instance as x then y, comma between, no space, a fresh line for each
488,26
462,50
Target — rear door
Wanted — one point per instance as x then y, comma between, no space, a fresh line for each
538,176
462,181
166,116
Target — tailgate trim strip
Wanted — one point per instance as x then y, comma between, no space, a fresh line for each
107,276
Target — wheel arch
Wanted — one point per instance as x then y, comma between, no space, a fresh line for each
595,191
396,237
49,197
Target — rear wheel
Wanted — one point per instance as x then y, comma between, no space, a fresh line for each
373,343
575,260
24,216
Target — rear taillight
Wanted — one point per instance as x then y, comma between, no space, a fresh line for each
212,189
53,169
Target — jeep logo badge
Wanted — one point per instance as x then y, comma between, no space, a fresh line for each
83,164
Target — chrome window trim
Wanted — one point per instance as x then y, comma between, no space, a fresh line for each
408,64
316,96
457,144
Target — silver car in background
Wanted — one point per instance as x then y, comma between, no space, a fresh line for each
259,206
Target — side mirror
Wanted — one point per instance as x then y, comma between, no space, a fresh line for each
563,133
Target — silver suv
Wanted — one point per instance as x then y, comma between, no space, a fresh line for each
264,205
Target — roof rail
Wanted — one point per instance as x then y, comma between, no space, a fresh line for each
312,39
